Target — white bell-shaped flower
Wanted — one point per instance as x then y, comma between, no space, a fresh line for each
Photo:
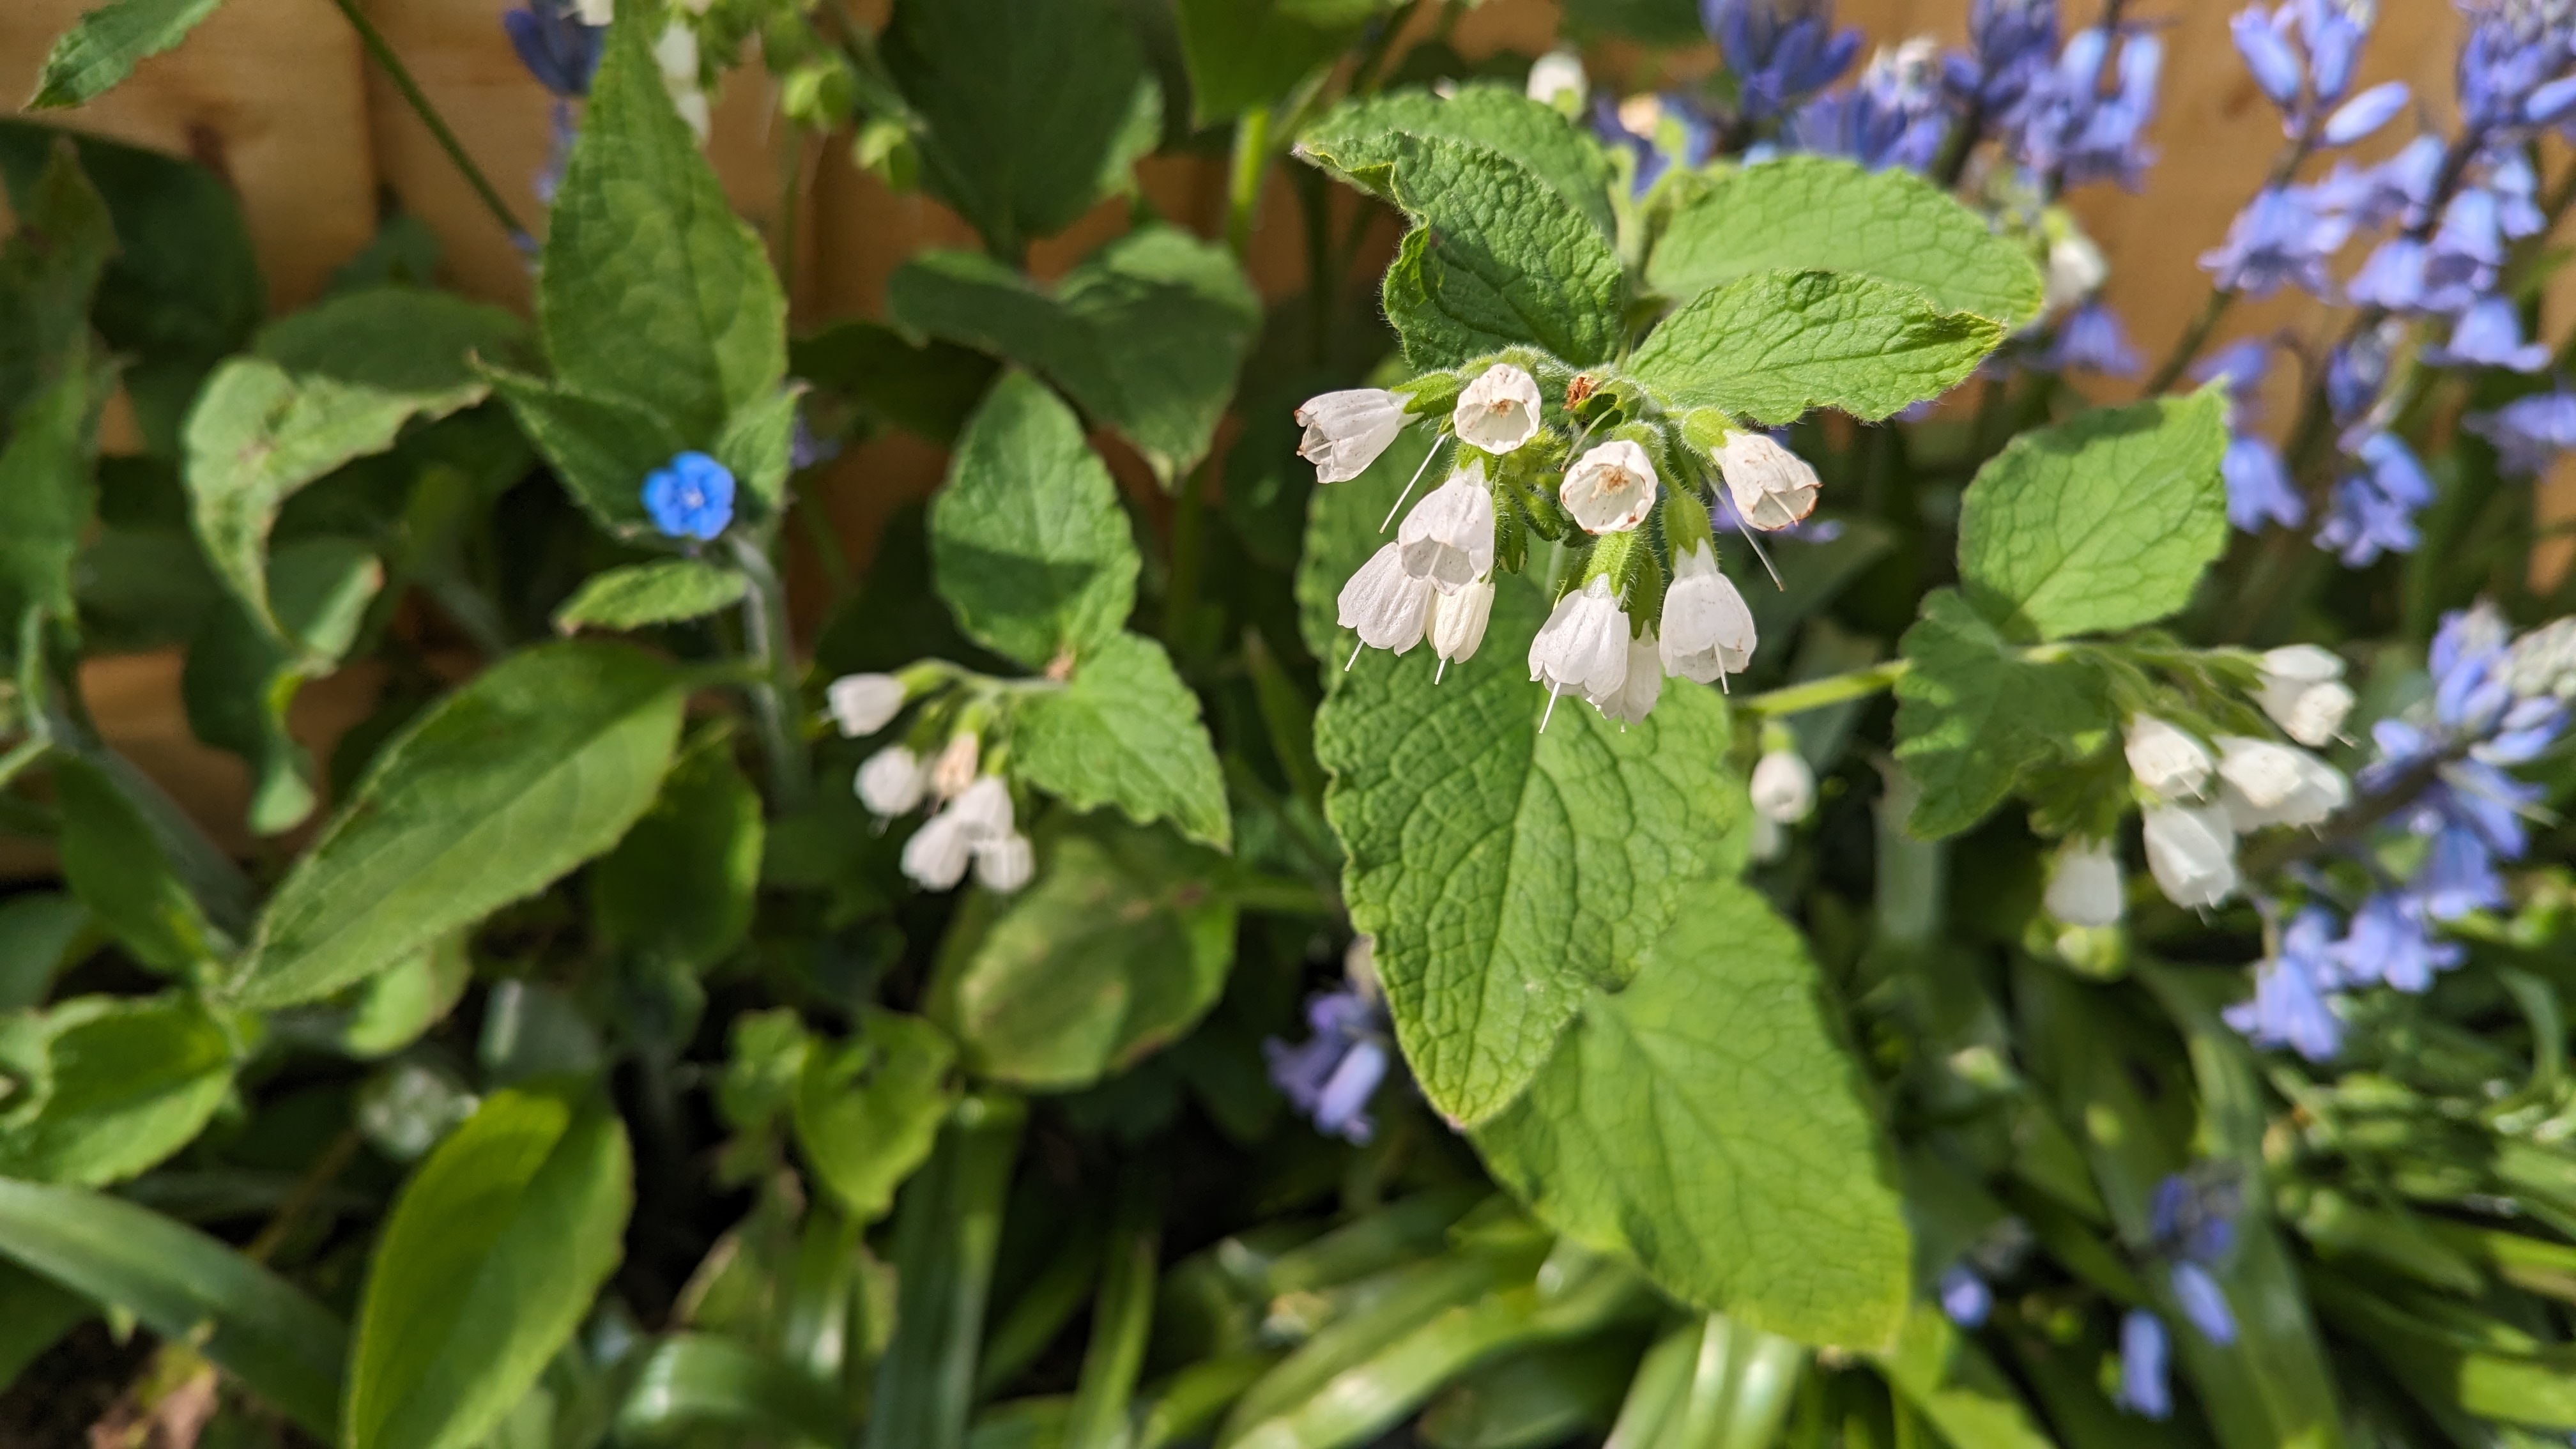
1346,431
1458,620
1448,538
986,808
1388,607
2263,783
1707,630
1638,690
2171,764
1784,788
1583,647
1610,489
862,704
2191,851
892,781
2304,693
2076,270
1004,863
1499,411
2084,884
956,766
1772,487
1558,74
938,853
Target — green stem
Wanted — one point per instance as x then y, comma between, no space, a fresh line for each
773,699
1120,1325
1189,548
1833,689
418,100
1243,178
21,755
1281,895
2193,339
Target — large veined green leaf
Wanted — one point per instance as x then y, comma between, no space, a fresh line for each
603,448
1029,544
1828,214
1774,346
117,1086
105,45
868,1111
2105,522
652,291
678,890
1146,335
494,793
1497,257
1496,118
1707,1123
486,1266
1125,731
1973,713
186,1287
638,596
1116,949
1507,872
1032,110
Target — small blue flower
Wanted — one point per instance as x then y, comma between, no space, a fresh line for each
2143,1351
2392,278
2530,432
1780,51
2289,1006
2192,1215
2390,942
2467,250
2365,113
2363,523
2397,188
1965,1298
2092,338
2011,44
2066,125
1895,115
2258,486
692,497
2264,41
2489,334
560,51
2356,371
2280,239
1331,1076
2513,53
2201,1301
2458,876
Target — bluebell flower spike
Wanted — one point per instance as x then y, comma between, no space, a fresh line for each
691,497
1780,51
2290,1006
1331,1076
2144,1351
555,46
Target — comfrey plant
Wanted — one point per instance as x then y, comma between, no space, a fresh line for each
1651,832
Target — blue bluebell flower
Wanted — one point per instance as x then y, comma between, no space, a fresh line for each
2373,511
2302,54
2289,1006
2530,432
2144,1349
555,46
2390,942
2515,51
691,497
2399,188
2507,174
2281,238
2258,486
2489,334
1659,131
1965,1298
2191,1216
2091,338
1331,1076
2392,277
2357,370
2011,44
2197,1293
2466,252
1894,115
1780,51
2365,113
2067,126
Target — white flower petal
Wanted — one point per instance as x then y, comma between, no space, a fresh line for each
1346,431
1610,489
2191,851
1499,411
1707,629
1784,789
2171,764
892,782
1388,607
2084,884
862,704
1771,486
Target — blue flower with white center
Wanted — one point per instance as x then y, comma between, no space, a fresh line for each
2390,942
1780,51
2530,432
1895,115
2144,1349
2091,338
1331,1076
2489,334
555,45
2289,1006
690,497
2281,238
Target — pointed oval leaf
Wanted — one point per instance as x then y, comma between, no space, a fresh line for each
1773,347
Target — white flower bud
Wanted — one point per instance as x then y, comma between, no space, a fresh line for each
1458,620
1583,646
1346,431
2171,764
892,781
955,768
2084,884
2263,783
1640,688
1707,630
1772,487
1558,74
937,854
1784,789
1387,606
1611,488
1448,538
2304,693
2191,851
1499,411
862,704
2076,270
1769,841
1005,863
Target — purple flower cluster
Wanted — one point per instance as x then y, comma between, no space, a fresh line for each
1332,1074
1894,115
1779,51
2192,1228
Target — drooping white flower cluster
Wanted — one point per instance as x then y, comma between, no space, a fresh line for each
1436,579
972,820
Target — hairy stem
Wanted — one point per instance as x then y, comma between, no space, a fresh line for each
773,698
418,100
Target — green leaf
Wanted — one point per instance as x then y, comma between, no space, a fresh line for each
1032,110
1243,54
46,489
120,864
1772,347
35,1313
241,679
1028,541
1146,335
1707,1123
927,390
538,765
1949,1380
1823,213
39,934
1125,731
652,292
638,596
120,1085
104,45
697,1380
2101,523
1497,118
182,291
1116,949
486,1266
758,446
679,889
602,448
49,273
394,1009
186,1287
1497,256
867,1112
946,1231
1506,872
1973,713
